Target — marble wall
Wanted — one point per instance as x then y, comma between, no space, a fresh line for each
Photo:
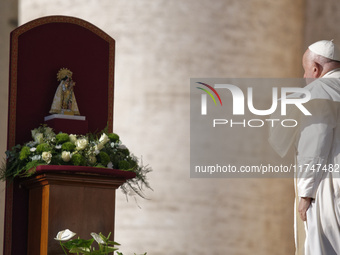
160,45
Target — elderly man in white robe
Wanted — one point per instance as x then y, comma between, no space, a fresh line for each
317,141
318,153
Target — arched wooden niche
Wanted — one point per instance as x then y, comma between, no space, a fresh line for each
38,50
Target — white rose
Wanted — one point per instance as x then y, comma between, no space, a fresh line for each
66,156
46,156
73,138
64,235
81,144
39,138
98,147
104,139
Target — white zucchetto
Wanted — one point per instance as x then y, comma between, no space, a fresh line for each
326,49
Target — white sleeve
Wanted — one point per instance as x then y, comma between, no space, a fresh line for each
314,146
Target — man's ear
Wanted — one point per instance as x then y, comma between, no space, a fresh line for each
317,70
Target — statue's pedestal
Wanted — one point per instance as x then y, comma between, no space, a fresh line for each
70,124
81,199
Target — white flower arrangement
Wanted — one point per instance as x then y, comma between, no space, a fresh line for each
48,148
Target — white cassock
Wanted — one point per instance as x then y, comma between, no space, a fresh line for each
317,141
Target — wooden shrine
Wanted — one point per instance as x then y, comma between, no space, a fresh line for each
59,197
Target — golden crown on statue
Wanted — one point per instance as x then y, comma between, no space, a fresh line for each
63,72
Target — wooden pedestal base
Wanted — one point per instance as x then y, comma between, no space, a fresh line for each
82,203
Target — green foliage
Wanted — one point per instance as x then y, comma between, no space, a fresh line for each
43,147
97,150
105,245
119,156
62,138
103,158
33,164
78,243
78,159
113,137
24,153
125,151
124,165
68,146
14,164
140,182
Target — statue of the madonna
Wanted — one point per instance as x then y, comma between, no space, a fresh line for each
64,101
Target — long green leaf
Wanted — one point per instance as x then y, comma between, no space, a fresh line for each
78,243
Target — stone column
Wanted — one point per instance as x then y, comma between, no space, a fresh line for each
322,21
8,21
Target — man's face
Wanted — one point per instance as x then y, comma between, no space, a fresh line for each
307,65
311,70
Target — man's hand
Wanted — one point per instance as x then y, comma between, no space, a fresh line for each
303,207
